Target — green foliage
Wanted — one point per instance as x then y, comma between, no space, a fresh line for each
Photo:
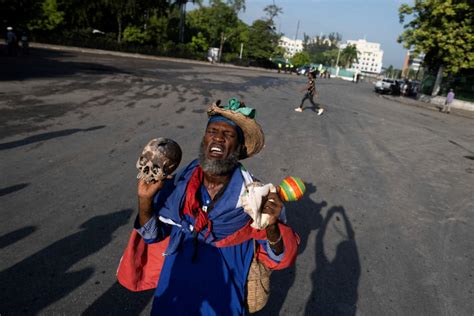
392,73
443,30
279,51
321,48
157,28
49,18
121,9
149,26
263,40
199,43
135,35
349,55
237,5
213,22
300,59
329,57
272,11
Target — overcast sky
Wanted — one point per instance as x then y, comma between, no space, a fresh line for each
374,20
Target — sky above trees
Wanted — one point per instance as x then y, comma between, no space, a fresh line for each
376,20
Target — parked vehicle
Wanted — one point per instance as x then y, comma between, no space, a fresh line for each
388,86
303,70
413,88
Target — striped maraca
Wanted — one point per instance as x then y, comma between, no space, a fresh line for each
291,189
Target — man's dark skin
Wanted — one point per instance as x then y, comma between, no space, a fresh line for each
224,137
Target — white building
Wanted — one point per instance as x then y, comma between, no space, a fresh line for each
415,60
370,56
291,46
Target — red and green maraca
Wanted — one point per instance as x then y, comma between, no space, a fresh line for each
291,189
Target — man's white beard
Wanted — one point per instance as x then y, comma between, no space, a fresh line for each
218,167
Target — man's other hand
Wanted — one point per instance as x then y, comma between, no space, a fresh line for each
272,206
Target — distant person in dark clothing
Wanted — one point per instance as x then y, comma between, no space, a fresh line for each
25,46
11,42
310,93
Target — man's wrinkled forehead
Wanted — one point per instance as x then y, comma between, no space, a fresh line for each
220,118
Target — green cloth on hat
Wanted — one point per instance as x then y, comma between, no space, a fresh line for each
234,105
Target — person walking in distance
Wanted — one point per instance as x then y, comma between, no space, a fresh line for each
310,93
449,100
11,41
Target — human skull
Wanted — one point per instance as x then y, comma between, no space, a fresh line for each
160,157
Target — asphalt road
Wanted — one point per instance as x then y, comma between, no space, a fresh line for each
385,226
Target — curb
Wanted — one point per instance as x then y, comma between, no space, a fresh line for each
143,56
429,106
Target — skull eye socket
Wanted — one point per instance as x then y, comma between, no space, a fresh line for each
142,161
156,169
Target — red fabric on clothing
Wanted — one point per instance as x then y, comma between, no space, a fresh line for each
140,266
291,240
192,206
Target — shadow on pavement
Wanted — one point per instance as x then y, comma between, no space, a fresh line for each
45,63
120,301
13,188
335,281
46,136
313,107
43,278
17,235
304,216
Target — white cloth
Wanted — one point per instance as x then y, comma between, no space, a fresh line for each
251,200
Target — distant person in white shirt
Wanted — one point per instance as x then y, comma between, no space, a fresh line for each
449,100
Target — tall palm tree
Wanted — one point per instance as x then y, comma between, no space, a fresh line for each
349,55
182,16
120,9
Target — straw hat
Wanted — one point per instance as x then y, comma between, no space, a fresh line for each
254,138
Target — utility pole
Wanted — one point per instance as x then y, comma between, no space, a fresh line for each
241,49
337,61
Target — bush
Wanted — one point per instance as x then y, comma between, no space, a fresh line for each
135,35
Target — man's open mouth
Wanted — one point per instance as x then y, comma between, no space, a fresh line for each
216,151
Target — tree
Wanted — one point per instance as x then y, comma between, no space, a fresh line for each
272,11
349,55
182,16
237,5
19,13
392,72
335,38
218,24
199,43
329,57
157,27
49,18
120,9
300,59
321,48
263,40
135,35
443,30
